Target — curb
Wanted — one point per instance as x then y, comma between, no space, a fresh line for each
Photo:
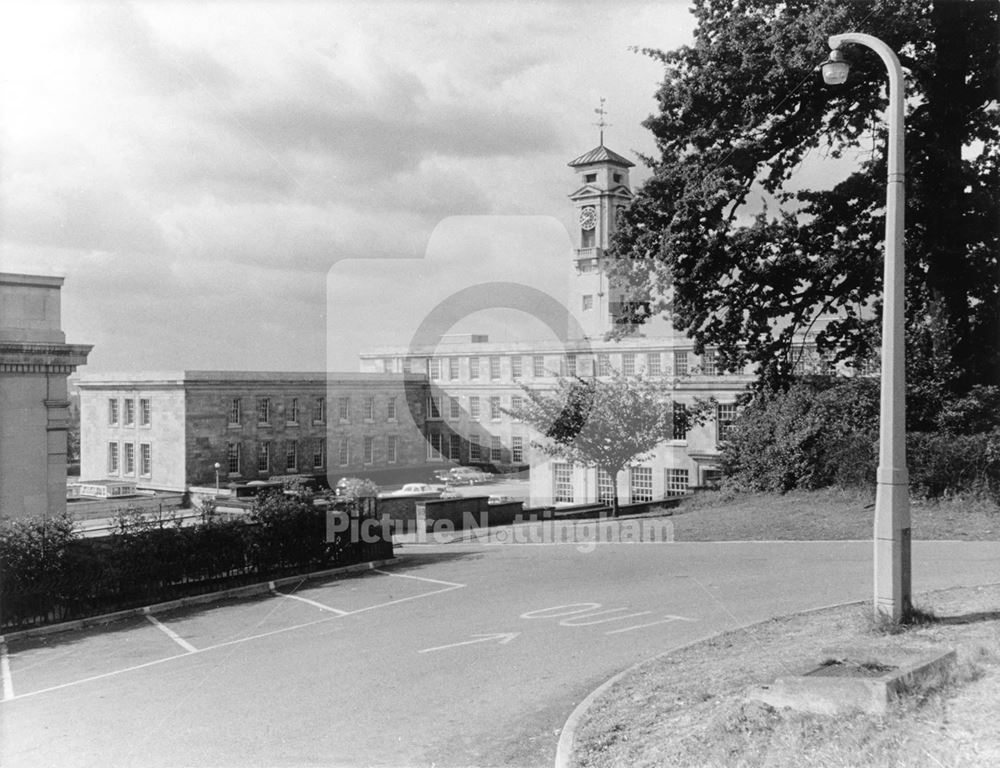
209,597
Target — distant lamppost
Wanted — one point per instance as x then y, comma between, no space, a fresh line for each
217,468
892,502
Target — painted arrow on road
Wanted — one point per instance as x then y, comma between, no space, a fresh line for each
501,638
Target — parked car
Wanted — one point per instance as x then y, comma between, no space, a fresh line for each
416,489
467,476
498,499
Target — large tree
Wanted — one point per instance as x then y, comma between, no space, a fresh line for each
744,110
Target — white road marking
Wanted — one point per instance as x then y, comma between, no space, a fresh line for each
502,637
584,620
7,688
556,611
406,599
171,634
418,578
309,602
666,620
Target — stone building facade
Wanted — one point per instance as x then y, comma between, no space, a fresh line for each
35,361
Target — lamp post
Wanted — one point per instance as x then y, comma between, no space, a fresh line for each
217,467
892,502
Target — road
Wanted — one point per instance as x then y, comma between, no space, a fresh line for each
459,655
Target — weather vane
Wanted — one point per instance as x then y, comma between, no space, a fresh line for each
602,123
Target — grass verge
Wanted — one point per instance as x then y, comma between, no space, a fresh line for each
823,515
689,708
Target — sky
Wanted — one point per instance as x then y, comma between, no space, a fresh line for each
279,185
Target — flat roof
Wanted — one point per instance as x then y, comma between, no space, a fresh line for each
125,378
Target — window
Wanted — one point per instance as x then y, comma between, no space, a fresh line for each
129,411
709,366
725,421
571,365
562,482
603,364
675,481
369,408
474,407
516,404
233,458
653,364
628,363
494,367
146,459
145,412
455,448
435,367
235,411
390,448
388,365
452,368
588,302
292,413
605,488
517,449
390,409
264,457
680,363
369,449
495,408
515,367
617,177
113,411
475,453
711,477
454,408
291,455
495,448
473,367
319,453
434,407
344,408
345,453
537,366
129,458
434,445
589,177
263,410
319,410
112,458
641,484
407,365
680,422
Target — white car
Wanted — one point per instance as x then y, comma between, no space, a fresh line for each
416,489
468,475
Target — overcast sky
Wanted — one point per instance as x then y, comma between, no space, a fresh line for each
206,176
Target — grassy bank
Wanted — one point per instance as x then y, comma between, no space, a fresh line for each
823,515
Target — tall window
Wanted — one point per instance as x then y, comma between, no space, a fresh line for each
434,445
603,364
145,412
264,410
605,489
113,411
319,410
145,459
515,367
516,404
235,411
495,448
455,448
676,481
709,366
725,420
233,458
588,302
475,451
129,411
292,455
641,484
407,365
452,368
494,367
562,482
474,407
494,408
264,457
628,363
293,411
388,365
435,367
344,408
653,364
537,366
680,363
454,408
434,407
129,458
571,365
345,452
473,367
391,447
369,408
680,422
319,453
369,448
517,449
390,409
112,458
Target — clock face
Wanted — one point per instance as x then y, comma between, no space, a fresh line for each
588,217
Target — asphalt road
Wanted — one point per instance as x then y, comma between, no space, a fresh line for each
459,655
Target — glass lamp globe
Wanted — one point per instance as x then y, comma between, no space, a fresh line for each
835,69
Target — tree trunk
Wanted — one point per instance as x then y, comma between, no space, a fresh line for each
614,493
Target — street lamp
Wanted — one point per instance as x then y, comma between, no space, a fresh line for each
217,467
892,502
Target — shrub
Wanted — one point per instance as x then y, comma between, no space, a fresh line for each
945,464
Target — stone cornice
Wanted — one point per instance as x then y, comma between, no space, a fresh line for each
42,357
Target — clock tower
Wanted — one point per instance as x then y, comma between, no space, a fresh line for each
601,195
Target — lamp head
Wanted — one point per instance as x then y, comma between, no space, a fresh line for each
217,465
835,69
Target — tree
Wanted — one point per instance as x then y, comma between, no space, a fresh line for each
739,112
610,424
